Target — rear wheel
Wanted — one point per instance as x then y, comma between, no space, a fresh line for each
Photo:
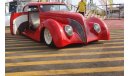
21,29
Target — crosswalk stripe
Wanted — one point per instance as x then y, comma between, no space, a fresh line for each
88,48
63,61
65,54
68,71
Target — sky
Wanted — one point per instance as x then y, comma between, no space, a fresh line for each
75,2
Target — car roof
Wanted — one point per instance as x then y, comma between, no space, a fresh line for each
40,3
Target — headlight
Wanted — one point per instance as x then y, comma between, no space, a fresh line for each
69,30
97,27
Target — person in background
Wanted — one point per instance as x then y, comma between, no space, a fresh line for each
81,7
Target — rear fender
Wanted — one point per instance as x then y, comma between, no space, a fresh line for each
16,20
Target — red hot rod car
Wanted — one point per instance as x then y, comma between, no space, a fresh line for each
55,25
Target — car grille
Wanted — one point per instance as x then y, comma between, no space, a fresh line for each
79,29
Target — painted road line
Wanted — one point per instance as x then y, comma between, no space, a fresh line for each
17,40
34,46
68,71
42,46
14,43
38,45
28,44
63,61
28,40
115,43
23,44
116,36
65,54
113,40
20,41
14,40
88,48
114,32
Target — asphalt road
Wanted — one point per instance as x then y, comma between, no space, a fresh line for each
25,57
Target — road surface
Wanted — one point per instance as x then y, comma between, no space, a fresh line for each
25,57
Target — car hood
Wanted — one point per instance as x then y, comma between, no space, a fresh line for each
64,15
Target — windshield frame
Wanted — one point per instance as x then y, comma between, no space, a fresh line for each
54,10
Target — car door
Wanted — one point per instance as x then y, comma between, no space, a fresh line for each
33,17
18,21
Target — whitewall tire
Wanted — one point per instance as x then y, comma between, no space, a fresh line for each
47,37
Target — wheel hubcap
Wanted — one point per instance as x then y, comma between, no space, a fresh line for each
47,36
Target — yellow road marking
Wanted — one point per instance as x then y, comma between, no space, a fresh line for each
92,48
113,32
116,38
35,44
73,49
68,71
113,37
12,40
9,42
28,44
62,61
25,47
67,54
115,43
31,41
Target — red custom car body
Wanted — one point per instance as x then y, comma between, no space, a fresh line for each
53,24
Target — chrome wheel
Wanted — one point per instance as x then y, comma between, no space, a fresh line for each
47,36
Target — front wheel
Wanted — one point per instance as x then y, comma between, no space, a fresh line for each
48,38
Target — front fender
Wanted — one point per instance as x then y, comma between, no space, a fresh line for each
103,35
56,31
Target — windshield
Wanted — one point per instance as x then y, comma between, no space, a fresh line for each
55,7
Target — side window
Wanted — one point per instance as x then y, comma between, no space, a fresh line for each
33,8
25,9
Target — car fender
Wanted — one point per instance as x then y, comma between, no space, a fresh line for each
104,34
56,31
16,20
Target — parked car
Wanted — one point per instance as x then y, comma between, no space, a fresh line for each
55,25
